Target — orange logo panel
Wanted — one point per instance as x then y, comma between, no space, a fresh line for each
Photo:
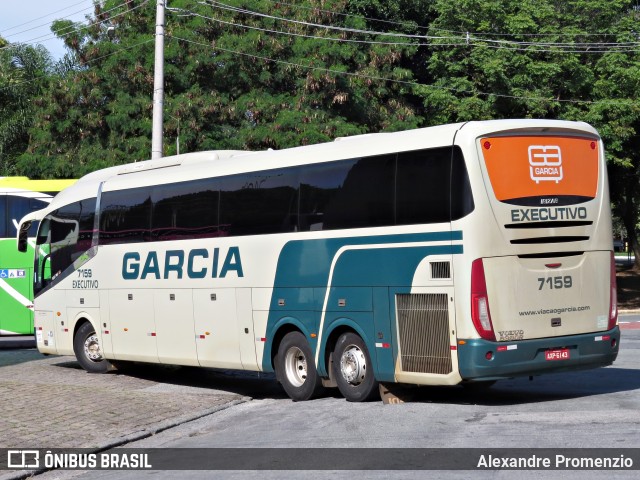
521,167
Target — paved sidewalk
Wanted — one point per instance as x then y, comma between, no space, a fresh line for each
50,402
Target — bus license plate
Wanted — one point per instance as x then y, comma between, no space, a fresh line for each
559,354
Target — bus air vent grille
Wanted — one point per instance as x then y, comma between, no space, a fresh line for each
423,326
440,270
545,240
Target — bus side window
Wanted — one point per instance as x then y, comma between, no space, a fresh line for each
187,210
125,216
461,197
259,202
423,186
64,236
42,273
366,198
319,185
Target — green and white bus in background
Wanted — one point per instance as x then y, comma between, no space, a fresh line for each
19,196
457,254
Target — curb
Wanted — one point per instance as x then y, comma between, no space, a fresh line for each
109,444
629,312
18,341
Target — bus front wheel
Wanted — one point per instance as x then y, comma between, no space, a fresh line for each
86,346
296,369
353,369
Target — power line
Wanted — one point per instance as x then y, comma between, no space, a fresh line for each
224,6
532,47
468,39
93,60
404,82
554,34
48,15
282,32
82,28
348,15
458,32
65,32
42,24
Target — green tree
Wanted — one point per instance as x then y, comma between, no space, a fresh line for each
233,80
573,60
268,84
505,59
618,77
24,75
97,110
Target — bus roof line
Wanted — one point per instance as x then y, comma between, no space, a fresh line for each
184,159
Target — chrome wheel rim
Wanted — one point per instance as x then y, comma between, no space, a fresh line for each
295,364
92,348
353,365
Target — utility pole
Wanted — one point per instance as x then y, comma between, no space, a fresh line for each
158,84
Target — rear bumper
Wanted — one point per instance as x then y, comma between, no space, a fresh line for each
527,357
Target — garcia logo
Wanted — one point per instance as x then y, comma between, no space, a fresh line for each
545,163
196,263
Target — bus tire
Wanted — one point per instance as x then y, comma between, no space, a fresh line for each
86,346
353,370
296,369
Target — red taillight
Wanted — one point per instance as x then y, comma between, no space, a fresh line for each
613,301
480,313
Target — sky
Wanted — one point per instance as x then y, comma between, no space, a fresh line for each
29,21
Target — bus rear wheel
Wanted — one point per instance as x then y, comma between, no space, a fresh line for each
353,370
86,346
296,369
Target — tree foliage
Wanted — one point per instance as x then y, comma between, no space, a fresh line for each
24,74
575,60
230,83
618,76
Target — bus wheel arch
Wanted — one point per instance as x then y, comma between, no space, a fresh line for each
280,333
86,346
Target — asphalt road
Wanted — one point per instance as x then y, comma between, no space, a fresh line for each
590,409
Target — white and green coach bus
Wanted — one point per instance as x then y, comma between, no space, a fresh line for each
19,196
458,254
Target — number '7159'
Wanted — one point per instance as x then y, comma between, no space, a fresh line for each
555,282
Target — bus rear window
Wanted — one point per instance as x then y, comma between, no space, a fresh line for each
537,170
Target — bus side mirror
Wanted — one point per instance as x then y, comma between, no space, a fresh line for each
23,235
